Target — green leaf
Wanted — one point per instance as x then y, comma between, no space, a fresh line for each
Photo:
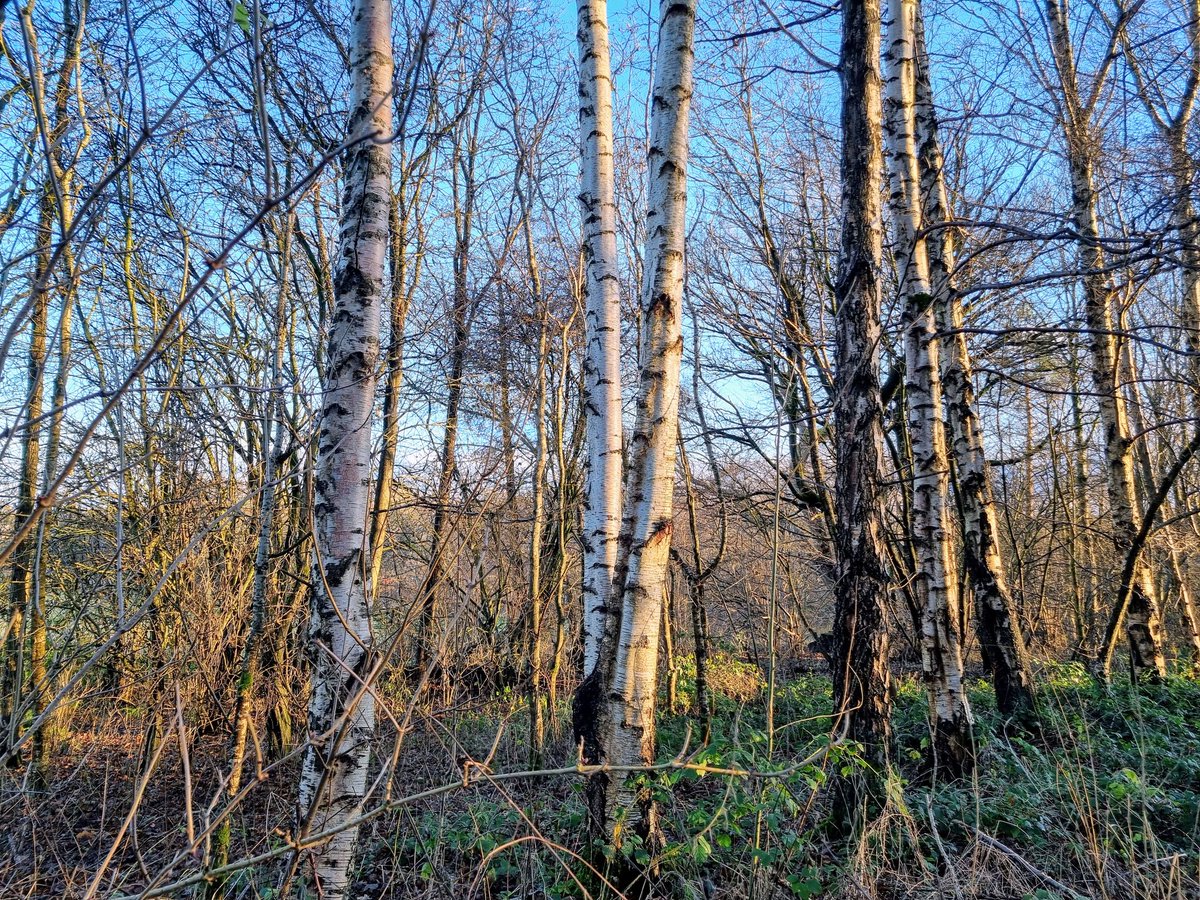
241,16
804,888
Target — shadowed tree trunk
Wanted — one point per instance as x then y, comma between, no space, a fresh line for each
862,698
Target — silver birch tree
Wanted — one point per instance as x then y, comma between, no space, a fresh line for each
937,587
341,713
1000,636
650,484
1174,126
602,361
1143,619
615,706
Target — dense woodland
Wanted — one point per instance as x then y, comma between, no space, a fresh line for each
483,449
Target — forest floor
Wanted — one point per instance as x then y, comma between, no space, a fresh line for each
1102,800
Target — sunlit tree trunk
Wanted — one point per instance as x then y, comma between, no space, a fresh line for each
565,447
1164,559
623,703
1143,620
1185,222
1189,232
647,518
937,587
61,169
1174,124
1083,550
534,672
341,714
862,698
55,206
999,630
602,360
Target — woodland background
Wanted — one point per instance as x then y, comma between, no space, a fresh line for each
178,178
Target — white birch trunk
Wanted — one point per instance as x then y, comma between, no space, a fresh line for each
1000,635
646,527
602,362
1175,127
1143,619
1189,233
941,653
341,715
1184,221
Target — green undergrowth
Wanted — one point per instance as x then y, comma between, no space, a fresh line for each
1100,799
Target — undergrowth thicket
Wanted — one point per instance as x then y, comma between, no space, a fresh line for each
1100,800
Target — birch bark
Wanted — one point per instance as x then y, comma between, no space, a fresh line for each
862,679
626,731
1143,621
1189,234
937,588
341,715
1000,636
602,362
1174,127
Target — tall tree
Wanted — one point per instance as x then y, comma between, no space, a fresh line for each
1143,619
615,707
405,265
1000,637
1174,127
464,185
602,362
862,704
53,121
936,579
341,713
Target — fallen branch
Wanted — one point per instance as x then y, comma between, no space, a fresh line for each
1025,864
